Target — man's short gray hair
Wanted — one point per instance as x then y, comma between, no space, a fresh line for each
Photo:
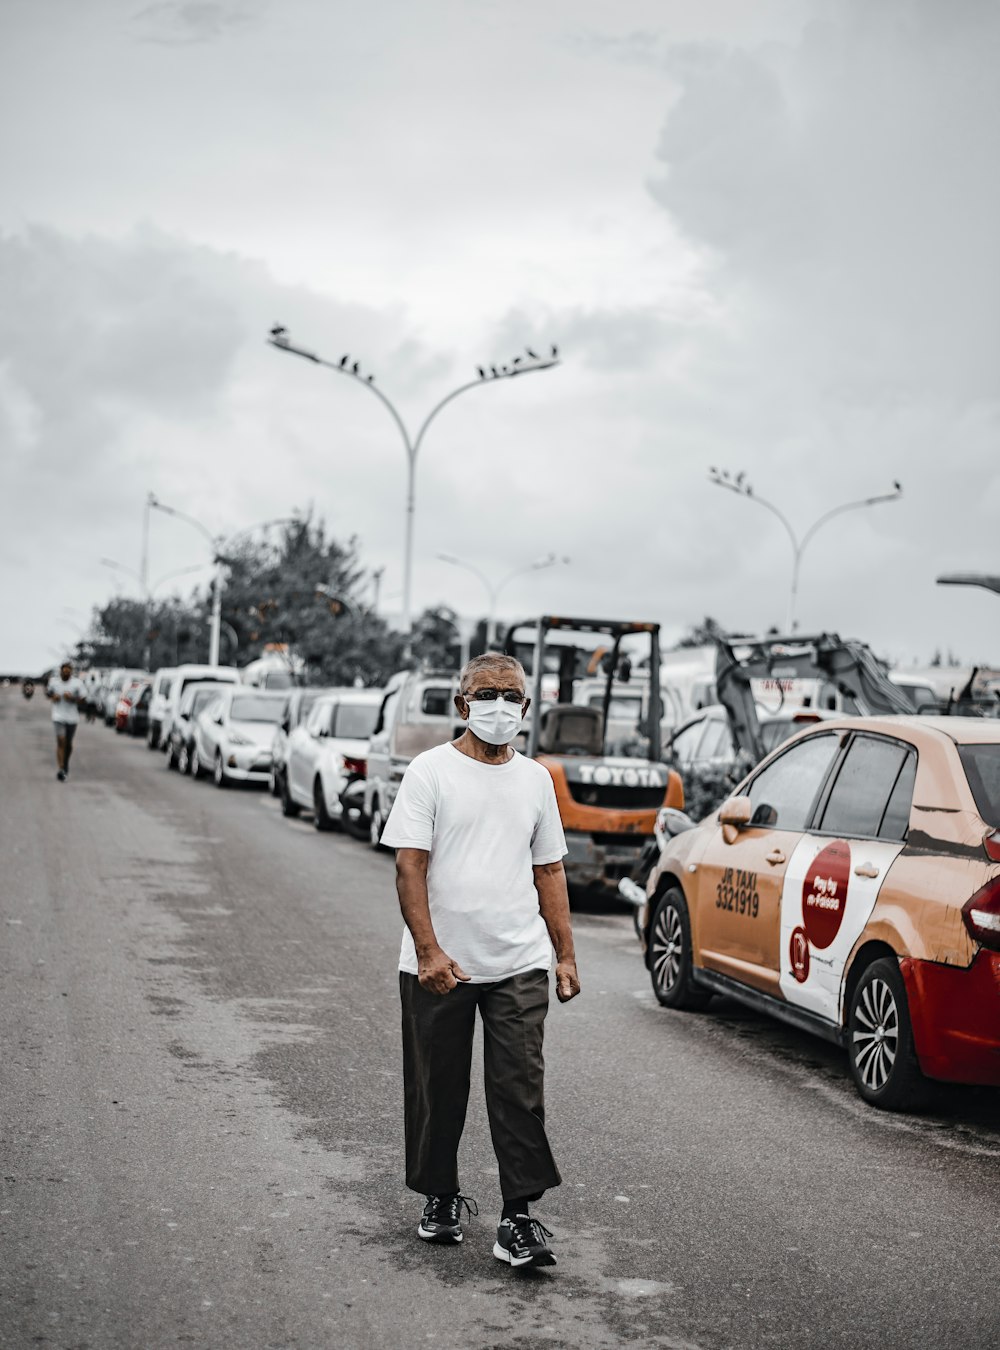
492,661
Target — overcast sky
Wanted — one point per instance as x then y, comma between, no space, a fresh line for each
764,236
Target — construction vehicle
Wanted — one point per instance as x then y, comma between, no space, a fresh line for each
818,674
607,803
845,675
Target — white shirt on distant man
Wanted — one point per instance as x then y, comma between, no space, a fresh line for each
66,709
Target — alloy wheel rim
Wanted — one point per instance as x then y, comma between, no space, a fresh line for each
876,1034
667,945
375,826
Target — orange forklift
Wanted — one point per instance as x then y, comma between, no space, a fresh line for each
608,802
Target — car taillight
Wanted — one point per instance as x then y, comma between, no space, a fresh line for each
358,766
982,915
992,846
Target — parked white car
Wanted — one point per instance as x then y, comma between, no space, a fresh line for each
232,738
300,705
157,706
327,752
182,678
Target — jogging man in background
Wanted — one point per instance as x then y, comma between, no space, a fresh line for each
66,693
483,894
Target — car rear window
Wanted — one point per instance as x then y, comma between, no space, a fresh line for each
354,721
860,798
982,769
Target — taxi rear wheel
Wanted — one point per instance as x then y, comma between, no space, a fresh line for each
670,954
880,1041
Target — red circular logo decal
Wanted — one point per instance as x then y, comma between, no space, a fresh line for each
798,952
824,893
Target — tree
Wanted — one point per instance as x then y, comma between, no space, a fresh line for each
702,634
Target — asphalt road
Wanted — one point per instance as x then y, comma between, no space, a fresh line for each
201,1116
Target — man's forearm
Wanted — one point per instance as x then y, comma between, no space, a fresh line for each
553,904
411,887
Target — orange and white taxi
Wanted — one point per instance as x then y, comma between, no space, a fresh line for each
852,888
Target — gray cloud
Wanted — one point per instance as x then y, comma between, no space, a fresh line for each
807,290
179,23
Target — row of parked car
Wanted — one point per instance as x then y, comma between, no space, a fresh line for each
308,746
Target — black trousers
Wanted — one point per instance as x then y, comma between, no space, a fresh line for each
437,1062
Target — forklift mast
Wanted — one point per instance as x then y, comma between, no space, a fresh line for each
609,628
850,667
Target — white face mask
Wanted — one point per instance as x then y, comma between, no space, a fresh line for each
496,722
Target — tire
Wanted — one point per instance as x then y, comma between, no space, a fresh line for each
219,775
289,806
274,782
197,771
670,960
321,816
171,756
880,1041
151,742
184,759
376,824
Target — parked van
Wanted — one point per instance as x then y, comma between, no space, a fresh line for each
417,713
157,705
273,672
179,681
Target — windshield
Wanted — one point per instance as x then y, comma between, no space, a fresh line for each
354,721
256,708
200,700
982,769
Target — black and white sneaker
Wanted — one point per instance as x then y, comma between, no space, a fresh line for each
521,1241
61,775
442,1218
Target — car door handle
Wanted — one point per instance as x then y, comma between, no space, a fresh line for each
866,869
775,856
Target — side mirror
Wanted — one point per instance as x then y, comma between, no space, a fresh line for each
734,815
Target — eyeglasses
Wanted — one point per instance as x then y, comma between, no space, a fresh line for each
491,695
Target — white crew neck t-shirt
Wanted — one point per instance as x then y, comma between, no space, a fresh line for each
67,713
485,826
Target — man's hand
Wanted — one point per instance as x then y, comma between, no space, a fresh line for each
438,973
567,981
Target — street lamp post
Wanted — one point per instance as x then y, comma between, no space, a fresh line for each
493,590
984,579
218,544
741,486
519,365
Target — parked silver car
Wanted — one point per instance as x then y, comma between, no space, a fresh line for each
300,704
328,752
232,739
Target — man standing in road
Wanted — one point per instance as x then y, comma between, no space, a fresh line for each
66,693
483,894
